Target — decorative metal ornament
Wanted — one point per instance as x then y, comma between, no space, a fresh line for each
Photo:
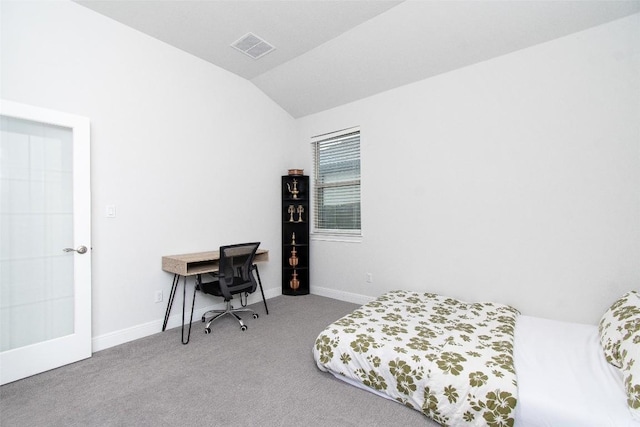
293,259
294,191
291,210
300,210
294,283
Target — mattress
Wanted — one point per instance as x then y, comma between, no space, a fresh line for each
564,379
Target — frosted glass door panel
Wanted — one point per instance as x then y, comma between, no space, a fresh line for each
36,222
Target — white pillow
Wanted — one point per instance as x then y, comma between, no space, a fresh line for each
630,359
619,322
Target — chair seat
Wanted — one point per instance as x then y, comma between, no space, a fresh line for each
213,288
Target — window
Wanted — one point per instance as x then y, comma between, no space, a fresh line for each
336,158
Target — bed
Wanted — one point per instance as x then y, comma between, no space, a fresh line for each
485,364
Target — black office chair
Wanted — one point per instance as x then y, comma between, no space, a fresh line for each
235,277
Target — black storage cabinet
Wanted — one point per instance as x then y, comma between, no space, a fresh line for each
295,234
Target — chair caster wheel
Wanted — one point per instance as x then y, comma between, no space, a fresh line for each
255,315
207,330
243,328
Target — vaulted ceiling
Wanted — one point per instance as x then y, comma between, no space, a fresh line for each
331,52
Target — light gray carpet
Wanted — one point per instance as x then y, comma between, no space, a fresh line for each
265,376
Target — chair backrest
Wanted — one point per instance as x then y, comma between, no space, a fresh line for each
235,273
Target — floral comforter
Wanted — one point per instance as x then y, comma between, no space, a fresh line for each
449,359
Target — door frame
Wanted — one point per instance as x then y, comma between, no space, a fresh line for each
29,360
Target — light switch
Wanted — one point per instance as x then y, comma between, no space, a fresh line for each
111,211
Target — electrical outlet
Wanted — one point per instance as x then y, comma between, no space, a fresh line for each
158,296
369,278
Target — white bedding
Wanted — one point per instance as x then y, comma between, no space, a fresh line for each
451,360
564,379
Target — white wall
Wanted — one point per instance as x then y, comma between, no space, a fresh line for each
190,154
514,180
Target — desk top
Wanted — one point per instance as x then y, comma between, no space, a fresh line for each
200,262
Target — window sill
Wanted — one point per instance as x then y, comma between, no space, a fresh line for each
336,237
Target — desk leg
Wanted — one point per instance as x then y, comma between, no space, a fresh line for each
255,267
184,300
172,294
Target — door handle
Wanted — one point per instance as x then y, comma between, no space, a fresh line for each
81,250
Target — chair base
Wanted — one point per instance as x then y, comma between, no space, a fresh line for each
230,311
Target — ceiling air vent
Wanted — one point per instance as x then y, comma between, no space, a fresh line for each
252,45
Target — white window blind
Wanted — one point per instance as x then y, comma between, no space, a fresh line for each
336,158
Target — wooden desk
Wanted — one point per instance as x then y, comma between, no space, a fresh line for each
196,264
200,262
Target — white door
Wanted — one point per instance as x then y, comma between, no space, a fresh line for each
45,209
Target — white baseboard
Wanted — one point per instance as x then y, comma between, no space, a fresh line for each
122,336
341,295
